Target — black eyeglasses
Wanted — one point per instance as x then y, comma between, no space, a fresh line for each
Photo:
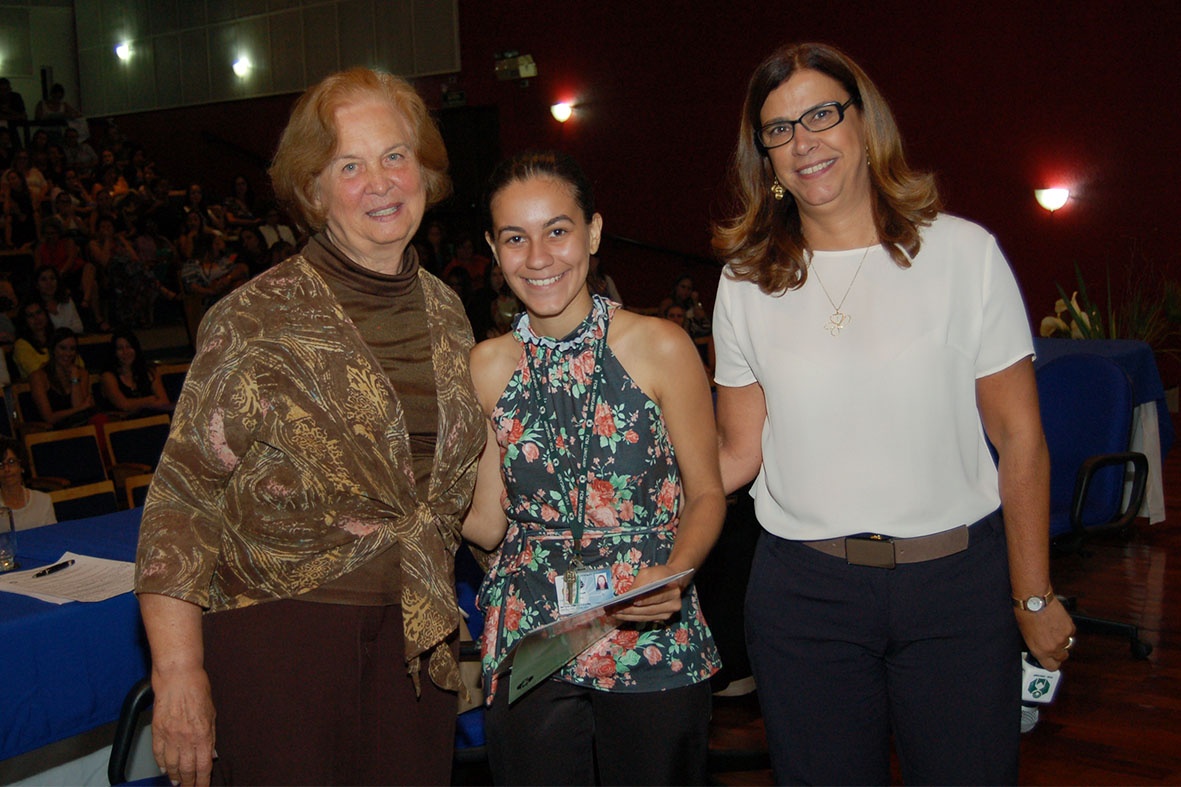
821,117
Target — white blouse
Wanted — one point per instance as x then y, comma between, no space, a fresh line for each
876,429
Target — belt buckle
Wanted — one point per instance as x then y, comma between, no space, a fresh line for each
872,550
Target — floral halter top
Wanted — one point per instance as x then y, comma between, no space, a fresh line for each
568,430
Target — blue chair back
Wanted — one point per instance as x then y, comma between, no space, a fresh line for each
1086,407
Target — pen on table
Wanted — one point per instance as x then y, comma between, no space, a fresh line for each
54,568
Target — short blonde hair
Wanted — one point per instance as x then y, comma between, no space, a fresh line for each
309,141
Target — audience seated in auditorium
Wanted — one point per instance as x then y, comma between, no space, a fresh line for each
20,212
239,206
30,508
54,297
131,285
61,388
8,310
57,250
251,251
696,317
273,231
467,260
212,215
492,307
33,332
434,252
79,154
211,273
599,282
129,384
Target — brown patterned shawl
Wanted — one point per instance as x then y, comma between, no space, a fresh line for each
288,464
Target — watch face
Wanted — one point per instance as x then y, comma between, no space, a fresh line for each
1035,603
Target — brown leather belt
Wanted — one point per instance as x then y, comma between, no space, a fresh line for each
885,552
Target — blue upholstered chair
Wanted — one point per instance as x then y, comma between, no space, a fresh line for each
1086,408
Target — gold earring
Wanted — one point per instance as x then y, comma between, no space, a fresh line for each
777,190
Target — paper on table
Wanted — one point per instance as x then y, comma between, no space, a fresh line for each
544,651
89,579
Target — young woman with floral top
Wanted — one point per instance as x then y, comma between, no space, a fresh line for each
601,460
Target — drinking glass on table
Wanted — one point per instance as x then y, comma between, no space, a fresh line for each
7,540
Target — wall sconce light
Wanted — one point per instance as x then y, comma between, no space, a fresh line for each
123,51
561,111
242,66
1051,199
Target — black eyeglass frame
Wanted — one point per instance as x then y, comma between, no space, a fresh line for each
838,106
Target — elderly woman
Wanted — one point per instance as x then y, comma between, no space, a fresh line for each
296,559
30,508
868,347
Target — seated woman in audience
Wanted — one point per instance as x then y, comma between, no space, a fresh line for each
212,215
72,225
239,206
211,273
129,383
491,308
33,332
20,212
30,508
683,295
55,299
8,311
34,178
251,251
272,231
193,227
599,282
57,251
61,388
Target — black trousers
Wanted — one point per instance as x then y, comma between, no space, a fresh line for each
310,693
560,733
846,656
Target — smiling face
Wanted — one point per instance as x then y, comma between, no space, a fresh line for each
825,171
372,191
124,352
543,243
65,352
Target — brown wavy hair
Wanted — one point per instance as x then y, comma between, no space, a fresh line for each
762,241
309,141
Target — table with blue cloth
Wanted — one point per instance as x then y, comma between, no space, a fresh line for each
1152,425
64,669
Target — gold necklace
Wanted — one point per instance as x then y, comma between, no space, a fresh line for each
838,320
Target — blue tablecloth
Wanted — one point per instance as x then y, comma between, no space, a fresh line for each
64,669
1137,361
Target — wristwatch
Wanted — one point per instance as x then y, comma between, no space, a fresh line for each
1034,603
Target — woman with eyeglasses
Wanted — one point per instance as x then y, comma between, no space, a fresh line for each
867,345
30,507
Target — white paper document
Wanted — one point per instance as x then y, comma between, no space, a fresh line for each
88,579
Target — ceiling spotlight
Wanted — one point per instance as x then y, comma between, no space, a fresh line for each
123,51
561,111
1051,199
242,66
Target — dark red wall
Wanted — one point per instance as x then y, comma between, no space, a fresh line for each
996,98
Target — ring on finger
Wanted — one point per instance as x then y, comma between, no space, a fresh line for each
1069,643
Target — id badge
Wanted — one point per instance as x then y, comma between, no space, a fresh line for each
592,586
